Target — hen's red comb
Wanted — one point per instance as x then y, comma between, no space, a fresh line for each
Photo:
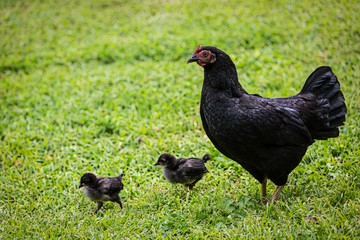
198,49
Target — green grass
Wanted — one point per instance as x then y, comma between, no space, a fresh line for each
104,87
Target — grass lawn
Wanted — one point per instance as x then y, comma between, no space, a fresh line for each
103,87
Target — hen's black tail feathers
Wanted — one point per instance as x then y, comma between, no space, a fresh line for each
206,157
330,100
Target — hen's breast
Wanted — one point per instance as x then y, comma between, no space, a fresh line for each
219,122
226,119
219,115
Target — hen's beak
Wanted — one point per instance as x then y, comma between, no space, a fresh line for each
193,58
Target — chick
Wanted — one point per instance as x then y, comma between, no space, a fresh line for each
102,189
187,171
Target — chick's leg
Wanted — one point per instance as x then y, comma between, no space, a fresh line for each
119,202
99,205
191,185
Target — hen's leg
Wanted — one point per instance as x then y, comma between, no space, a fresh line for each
263,192
276,193
99,204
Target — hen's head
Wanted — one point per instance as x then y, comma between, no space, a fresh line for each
204,55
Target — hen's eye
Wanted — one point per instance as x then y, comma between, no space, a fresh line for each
205,54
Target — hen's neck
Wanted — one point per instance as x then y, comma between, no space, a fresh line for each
222,76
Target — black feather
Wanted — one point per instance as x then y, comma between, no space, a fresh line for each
102,189
268,137
187,171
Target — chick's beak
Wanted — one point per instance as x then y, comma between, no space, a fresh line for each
81,185
193,58
157,163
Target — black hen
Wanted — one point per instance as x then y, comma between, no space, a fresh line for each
268,137
102,189
187,171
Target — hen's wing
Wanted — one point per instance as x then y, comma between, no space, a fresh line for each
272,121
